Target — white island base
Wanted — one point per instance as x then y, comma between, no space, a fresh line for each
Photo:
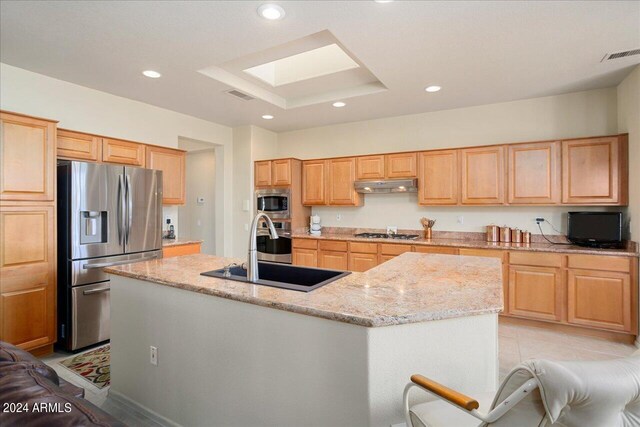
228,363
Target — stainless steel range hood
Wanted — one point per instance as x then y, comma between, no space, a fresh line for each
387,186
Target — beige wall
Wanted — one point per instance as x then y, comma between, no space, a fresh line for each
563,116
629,121
197,221
250,143
83,109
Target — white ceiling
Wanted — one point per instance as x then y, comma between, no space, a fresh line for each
479,52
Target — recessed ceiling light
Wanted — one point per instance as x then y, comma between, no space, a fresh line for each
267,117
432,88
339,104
271,12
152,74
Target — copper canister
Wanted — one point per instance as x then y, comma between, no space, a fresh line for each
516,236
493,233
526,237
505,234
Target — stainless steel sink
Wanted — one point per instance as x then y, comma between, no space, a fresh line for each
283,276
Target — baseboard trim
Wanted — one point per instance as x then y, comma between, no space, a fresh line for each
143,410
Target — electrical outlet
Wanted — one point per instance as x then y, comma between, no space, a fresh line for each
153,355
200,200
338,217
392,229
460,219
539,219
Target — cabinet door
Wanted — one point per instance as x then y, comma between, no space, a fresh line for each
333,260
262,173
482,176
27,158
592,171
438,177
535,292
305,257
281,172
28,271
370,167
122,152
599,299
401,165
78,146
534,173
342,174
362,262
314,182
172,164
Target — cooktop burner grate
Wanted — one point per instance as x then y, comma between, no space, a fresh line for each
387,236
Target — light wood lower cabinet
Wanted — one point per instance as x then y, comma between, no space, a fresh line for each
444,250
28,271
172,163
333,260
305,257
179,250
361,261
535,292
601,299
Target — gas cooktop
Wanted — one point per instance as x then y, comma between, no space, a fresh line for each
387,236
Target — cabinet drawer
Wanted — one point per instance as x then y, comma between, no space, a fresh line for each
437,250
330,245
305,243
363,248
389,249
491,253
599,262
539,259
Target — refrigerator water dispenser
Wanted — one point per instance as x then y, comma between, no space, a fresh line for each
93,227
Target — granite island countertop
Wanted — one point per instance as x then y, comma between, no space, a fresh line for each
410,288
630,249
179,242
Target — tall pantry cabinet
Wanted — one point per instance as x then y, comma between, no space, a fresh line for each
27,232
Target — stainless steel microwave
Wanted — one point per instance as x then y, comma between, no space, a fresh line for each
273,202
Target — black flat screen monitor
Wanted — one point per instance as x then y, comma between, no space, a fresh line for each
595,228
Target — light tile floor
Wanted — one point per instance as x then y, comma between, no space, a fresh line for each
516,343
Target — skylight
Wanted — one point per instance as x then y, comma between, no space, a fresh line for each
303,66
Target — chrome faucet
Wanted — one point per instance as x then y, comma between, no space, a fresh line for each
252,256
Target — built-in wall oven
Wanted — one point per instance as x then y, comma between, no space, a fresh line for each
274,250
274,202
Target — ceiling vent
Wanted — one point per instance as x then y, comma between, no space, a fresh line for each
241,95
624,54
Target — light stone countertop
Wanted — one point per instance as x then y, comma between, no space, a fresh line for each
410,288
631,249
179,242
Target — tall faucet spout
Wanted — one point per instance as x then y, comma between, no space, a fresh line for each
252,256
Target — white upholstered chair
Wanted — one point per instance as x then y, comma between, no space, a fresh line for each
539,393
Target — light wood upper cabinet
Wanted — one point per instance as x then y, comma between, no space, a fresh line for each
401,165
79,146
28,271
281,172
534,173
122,152
536,292
594,171
314,182
341,176
27,158
600,299
438,177
262,173
172,164
370,167
482,176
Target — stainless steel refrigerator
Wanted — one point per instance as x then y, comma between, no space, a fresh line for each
107,215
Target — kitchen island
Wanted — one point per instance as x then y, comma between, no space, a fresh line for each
340,355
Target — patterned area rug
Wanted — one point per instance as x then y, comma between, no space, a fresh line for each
93,366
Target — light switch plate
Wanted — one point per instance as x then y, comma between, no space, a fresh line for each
200,200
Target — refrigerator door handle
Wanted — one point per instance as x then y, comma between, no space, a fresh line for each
120,213
113,263
95,291
129,209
